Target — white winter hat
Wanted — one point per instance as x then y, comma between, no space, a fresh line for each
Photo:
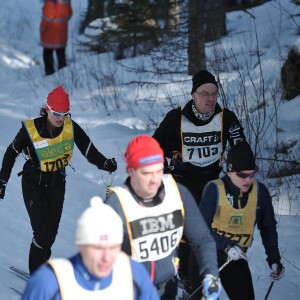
99,224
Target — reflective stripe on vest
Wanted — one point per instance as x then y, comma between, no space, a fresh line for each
55,20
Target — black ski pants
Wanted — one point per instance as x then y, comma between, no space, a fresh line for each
184,251
44,206
169,290
237,280
48,58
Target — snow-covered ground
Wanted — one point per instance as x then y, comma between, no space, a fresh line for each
24,88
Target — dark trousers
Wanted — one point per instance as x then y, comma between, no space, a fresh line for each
194,278
169,290
44,206
49,59
237,280
196,188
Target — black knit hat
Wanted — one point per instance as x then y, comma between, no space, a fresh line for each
202,77
240,158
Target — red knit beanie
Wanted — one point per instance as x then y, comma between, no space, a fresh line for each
143,151
58,100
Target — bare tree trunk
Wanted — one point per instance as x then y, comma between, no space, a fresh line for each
95,10
196,39
215,18
206,22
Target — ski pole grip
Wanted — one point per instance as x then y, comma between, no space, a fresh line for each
108,186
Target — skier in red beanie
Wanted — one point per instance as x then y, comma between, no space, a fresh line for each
156,211
44,172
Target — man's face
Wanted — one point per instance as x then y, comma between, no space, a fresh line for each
205,98
99,260
146,181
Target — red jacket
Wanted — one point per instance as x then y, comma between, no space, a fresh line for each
54,23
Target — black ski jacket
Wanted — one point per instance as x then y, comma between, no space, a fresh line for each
168,134
31,172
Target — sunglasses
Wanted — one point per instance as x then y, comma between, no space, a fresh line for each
59,114
244,175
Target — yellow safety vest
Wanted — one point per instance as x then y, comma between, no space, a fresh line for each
236,224
53,154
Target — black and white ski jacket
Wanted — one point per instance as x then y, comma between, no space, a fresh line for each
170,137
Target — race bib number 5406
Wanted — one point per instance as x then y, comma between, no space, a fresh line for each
157,246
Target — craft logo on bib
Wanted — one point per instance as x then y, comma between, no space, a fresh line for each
203,139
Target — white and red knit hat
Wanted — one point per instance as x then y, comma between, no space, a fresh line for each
99,224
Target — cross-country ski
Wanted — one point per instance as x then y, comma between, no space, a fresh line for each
20,273
207,216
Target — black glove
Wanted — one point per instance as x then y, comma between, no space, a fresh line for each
3,184
110,165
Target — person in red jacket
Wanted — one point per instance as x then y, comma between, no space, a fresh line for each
54,32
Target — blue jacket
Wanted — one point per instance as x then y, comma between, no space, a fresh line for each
43,284
265,218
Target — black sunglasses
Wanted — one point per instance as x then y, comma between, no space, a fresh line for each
244,175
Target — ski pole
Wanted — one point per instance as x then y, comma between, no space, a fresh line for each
108,186
225,264
200,286
269,290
